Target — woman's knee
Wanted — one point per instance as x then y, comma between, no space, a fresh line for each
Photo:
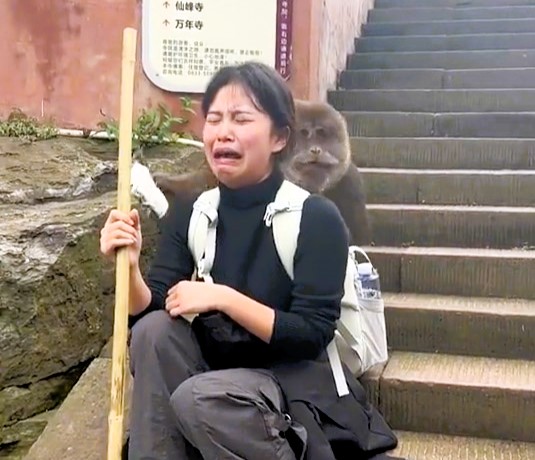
205,394
238,409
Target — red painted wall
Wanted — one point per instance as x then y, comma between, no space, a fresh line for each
61,59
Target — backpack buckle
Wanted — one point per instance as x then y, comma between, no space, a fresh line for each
275,207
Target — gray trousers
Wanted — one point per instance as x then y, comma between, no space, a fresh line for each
182,411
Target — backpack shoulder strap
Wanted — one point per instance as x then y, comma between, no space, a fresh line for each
285,215
202,232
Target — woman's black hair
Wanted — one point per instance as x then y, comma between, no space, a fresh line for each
266,88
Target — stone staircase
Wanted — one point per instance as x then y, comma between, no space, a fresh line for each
440,103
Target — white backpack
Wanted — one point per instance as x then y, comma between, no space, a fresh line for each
360,338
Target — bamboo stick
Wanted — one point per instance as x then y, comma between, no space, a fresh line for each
122,273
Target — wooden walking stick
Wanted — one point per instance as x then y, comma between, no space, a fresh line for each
122,274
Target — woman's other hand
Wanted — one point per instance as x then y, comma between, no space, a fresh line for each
193,297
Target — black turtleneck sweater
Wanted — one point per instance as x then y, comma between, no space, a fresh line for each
246,259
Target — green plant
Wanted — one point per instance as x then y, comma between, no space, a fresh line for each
20,125
153,126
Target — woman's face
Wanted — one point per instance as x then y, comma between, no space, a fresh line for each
239,140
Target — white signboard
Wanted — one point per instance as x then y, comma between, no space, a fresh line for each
184,43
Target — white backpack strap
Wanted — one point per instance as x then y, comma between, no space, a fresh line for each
285,214
336,366
347,324
202,232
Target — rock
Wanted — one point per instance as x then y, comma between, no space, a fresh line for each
19,403
66,171
16,440
74,434
57,292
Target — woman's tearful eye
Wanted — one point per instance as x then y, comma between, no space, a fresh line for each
212,119
242,120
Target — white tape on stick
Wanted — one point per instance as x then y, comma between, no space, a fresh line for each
144,187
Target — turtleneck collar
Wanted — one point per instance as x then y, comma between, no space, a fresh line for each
251,195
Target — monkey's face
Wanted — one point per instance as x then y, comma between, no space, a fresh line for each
239,140
320,156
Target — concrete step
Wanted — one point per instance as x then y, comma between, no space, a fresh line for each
449,3
453,226
446,42
434,100
421,14
427,446
410,124
492,327
449,27
437,78
507,273
459,395
443,59
449,187
443,153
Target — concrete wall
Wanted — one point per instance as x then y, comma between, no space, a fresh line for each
61,59
341,22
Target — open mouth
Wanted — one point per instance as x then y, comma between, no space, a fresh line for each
226,154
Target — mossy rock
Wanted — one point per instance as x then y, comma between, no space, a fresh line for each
56,307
